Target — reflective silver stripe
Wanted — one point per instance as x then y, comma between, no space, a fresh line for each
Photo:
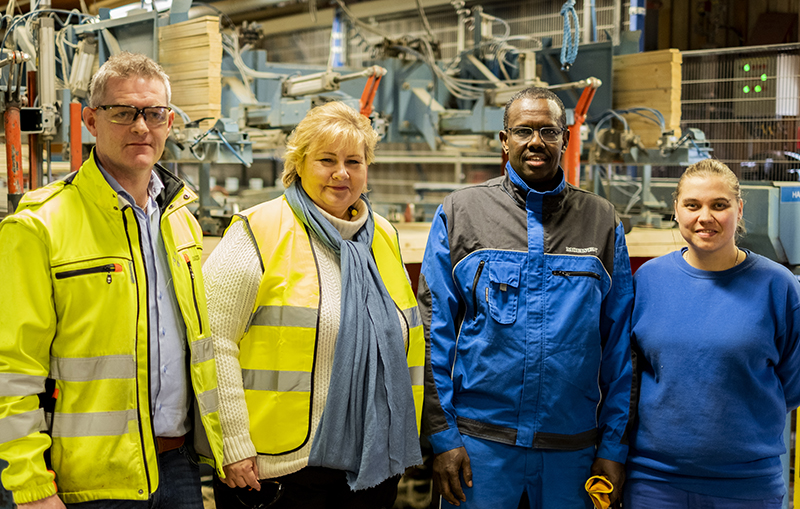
412,317
280,381
92,424
15,384
284,316
21,425
417,375
208,401
86,369
202,350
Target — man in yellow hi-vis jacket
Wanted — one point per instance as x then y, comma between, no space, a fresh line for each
107,373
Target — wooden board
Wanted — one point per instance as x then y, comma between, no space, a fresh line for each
648,76
191,54
652,80
648,57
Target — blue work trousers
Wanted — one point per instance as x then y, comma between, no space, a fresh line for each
641,494
502,473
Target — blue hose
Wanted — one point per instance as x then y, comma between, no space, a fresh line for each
569,47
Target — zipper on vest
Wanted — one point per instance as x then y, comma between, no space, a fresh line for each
136,353
475,290
194,292
583,273
108,268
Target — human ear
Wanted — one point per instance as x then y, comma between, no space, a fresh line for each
90,120
503,140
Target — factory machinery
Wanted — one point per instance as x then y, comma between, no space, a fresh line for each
234,106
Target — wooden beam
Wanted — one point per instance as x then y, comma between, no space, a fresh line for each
325,16
95,6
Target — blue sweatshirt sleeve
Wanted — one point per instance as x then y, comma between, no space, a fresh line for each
788,345
616,370
438,303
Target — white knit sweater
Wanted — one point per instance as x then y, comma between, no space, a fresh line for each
232,276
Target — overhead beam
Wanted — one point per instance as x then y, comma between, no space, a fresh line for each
324,19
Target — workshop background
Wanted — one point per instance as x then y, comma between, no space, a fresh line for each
651,86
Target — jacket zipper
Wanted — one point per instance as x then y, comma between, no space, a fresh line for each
568,273
194,292
136,347
474,289
108,268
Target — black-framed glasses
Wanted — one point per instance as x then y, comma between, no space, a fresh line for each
124,114
547,134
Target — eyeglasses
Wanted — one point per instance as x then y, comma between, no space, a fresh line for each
547,134
122,114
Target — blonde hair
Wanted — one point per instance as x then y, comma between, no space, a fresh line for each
331,124
713,168
126,65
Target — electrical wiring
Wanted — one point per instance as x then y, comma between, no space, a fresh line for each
425,20
28,18
497,48
607,116
24,17
354,19
214,130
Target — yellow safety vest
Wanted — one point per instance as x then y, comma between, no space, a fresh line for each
278,350
84,323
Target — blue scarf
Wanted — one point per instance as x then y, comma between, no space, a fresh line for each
368,428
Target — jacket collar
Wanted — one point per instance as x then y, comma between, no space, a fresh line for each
521,192
91,181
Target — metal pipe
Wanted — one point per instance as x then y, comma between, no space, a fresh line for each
49,162
75,137
34,153
16,186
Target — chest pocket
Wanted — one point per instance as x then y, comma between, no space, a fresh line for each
502,293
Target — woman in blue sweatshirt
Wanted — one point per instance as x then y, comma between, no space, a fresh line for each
717,327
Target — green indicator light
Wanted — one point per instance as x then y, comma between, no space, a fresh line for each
746,67
758,88
763,77
746,89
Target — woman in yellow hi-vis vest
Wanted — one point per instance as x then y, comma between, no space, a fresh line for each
318,340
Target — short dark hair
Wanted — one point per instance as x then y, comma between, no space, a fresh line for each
537,93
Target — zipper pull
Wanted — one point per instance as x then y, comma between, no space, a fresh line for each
114,267
189,264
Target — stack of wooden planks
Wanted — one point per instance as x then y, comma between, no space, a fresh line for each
191,54
651,79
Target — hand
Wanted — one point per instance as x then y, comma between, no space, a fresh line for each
446,469
614,472
242,474
51,502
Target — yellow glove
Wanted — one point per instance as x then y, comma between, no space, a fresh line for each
599,487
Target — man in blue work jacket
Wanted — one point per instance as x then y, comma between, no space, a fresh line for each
525,294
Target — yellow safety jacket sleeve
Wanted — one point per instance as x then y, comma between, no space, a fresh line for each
27,312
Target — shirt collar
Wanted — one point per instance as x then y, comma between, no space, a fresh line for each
154,187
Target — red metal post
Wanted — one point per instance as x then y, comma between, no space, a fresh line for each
75,142
368,95
572,158
16,186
